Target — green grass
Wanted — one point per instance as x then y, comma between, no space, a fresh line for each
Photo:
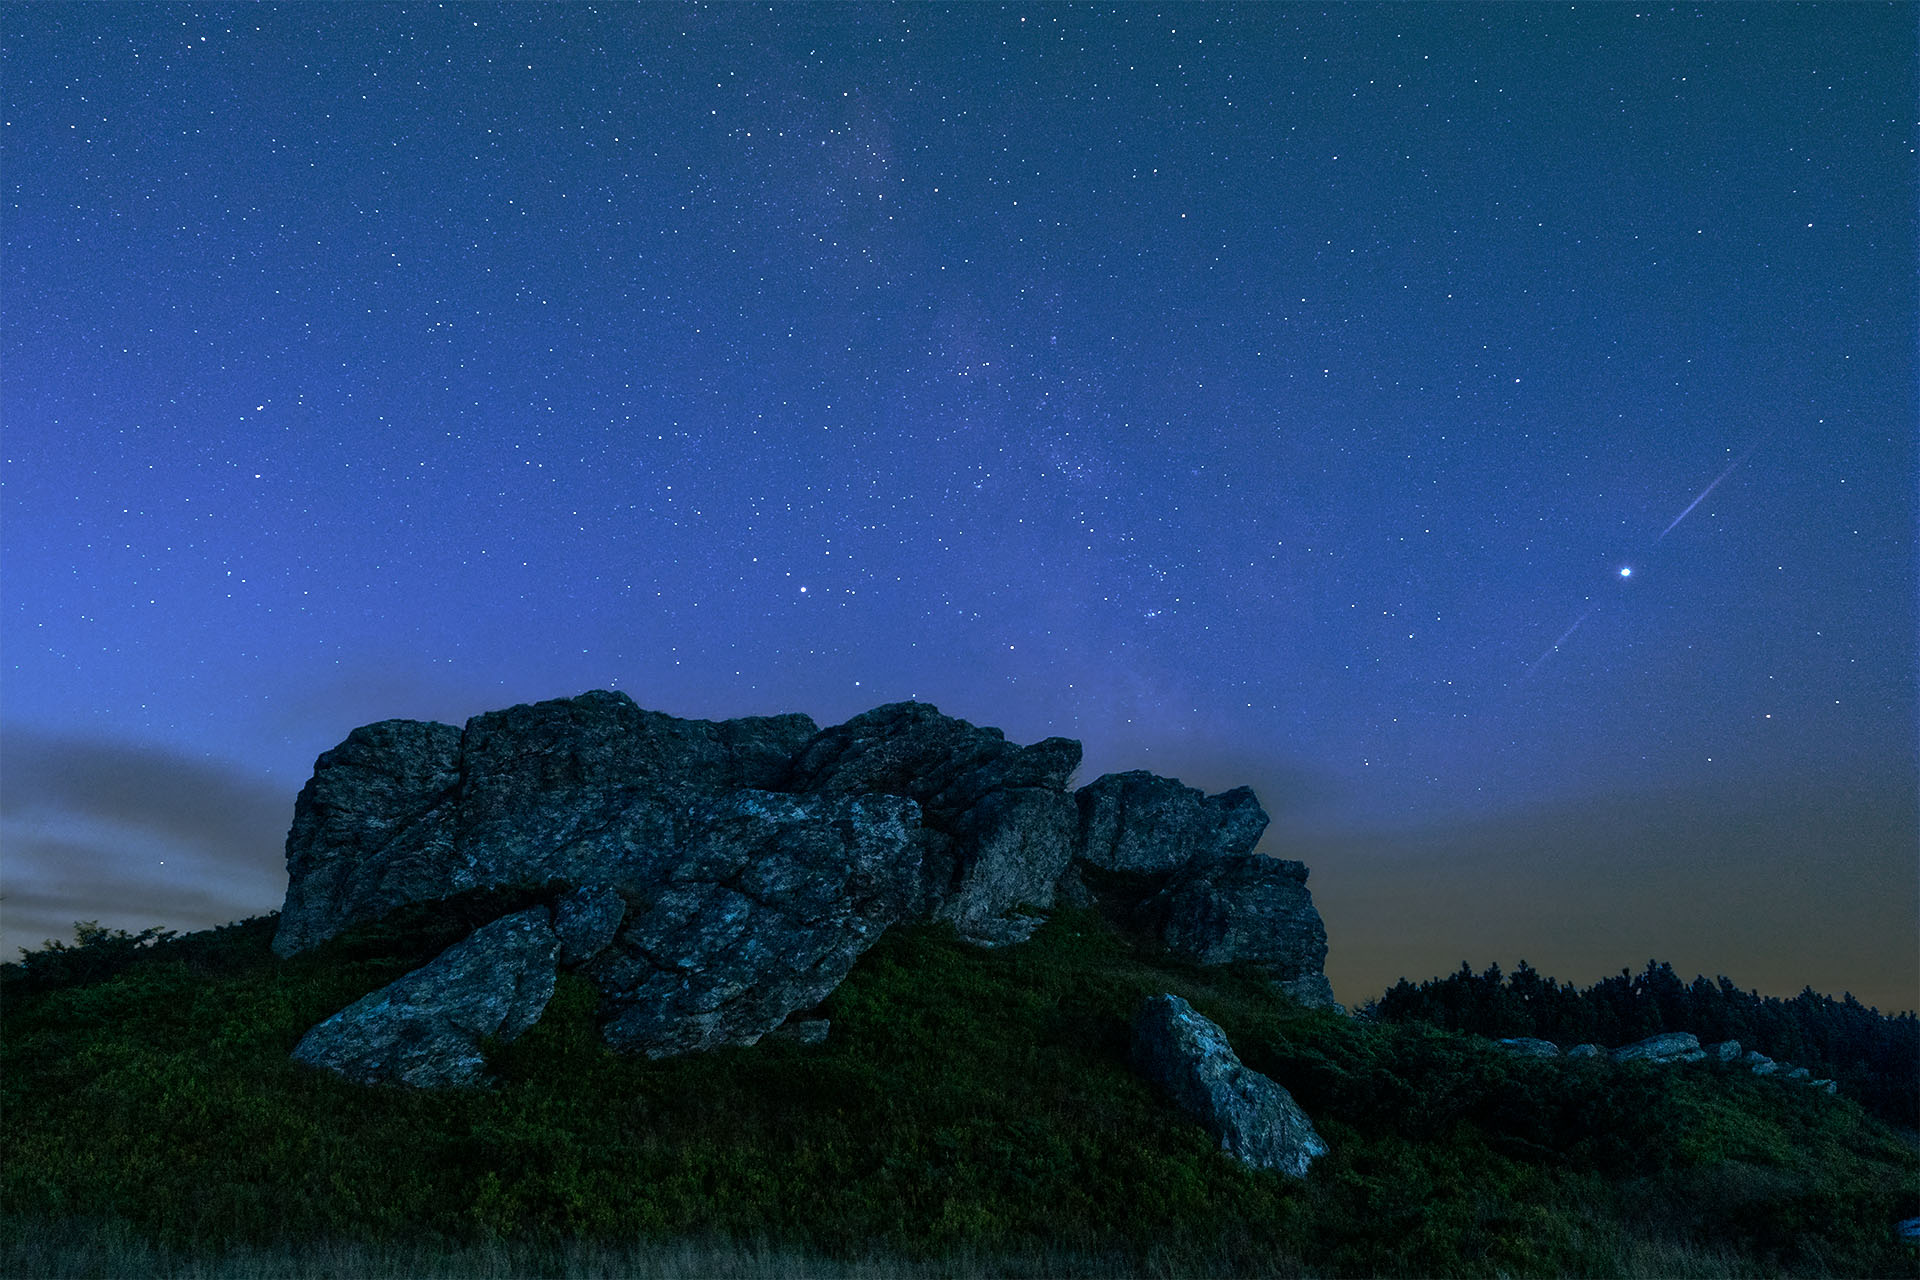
971,1113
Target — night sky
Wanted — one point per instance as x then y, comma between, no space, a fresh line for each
1259,394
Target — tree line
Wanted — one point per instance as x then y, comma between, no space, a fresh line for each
1874,1057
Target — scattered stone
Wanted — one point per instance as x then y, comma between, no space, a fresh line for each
1725,1051
1139,822
1586,1051
1908,1230
1529,1046
1831,1086
1760,1063
1669,1046
1255,1119
586,920
425,1029
1799,1073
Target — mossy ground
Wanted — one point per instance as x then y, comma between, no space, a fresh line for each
969,1105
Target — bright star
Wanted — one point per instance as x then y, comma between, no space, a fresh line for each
1626,571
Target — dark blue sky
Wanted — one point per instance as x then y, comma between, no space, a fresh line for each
1256,393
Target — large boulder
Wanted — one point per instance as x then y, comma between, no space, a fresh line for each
1255,1120
426,1029
761,911
1012,847
1141,823
585,789
1246,908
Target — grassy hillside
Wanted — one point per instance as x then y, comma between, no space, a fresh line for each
969,1105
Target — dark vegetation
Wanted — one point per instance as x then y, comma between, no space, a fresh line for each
968,1104
1874,1058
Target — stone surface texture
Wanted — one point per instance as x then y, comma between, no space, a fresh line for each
373,829
1140,822
760,913
1255,1120
713,878
1243,907
586,920
426,1029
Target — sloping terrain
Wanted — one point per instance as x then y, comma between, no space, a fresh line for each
967,1102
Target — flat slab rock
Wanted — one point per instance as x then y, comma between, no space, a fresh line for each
1255,1120
425,1029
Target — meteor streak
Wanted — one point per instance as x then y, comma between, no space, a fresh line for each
1703,494
1557,643
1626,571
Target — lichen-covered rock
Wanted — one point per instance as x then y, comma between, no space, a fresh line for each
1725,1051
1246,908
584,789
762,911
998,828
1670,1046
1255,1120
426,1028
1586,1051
585,921
373,829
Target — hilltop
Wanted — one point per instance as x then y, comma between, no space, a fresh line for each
933,1065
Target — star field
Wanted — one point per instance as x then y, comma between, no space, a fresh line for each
1252,392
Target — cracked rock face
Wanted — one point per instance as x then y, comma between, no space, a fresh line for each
714,878
760,914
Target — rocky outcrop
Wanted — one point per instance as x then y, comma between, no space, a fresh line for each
712,878
1255,1120
426,1028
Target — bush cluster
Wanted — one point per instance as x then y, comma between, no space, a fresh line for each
1874,1058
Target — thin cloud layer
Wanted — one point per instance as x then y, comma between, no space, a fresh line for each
131,836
